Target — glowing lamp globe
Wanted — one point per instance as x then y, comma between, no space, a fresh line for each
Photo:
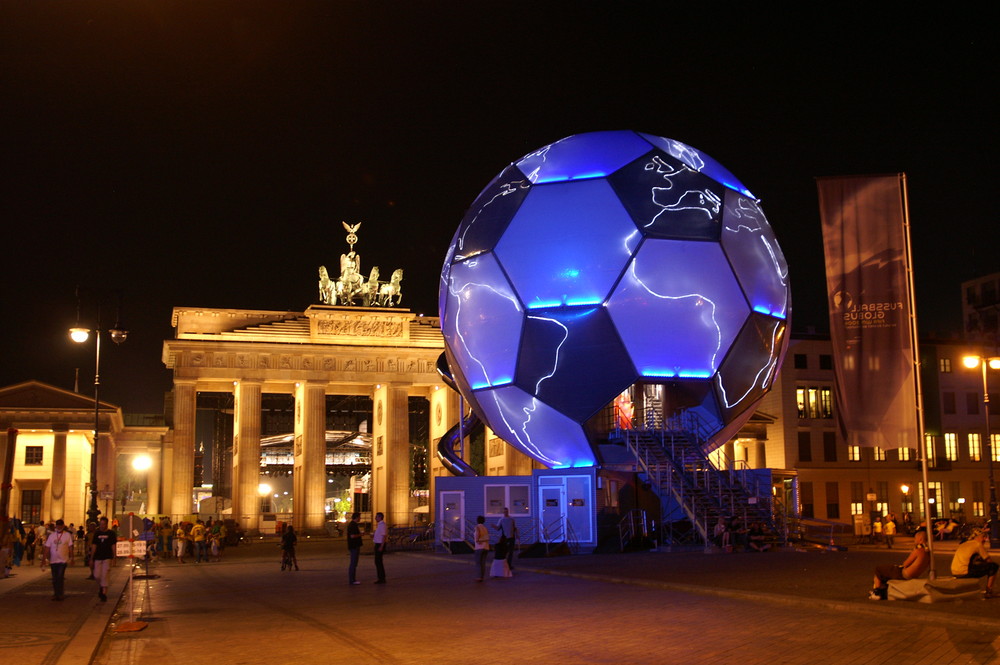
602,260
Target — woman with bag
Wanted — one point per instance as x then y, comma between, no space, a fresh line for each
482,546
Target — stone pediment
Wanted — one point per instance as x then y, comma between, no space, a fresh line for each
38,395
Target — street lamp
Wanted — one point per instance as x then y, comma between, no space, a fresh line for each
994,363
80,335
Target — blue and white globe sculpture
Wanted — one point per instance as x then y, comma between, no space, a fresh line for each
605,259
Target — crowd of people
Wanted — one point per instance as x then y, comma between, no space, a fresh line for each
198,540
21,543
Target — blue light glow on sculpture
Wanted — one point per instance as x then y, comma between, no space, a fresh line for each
601,260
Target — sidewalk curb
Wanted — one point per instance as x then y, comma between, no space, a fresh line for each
86,639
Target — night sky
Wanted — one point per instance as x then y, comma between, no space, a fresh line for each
203,154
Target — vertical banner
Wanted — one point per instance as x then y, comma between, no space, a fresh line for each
865,238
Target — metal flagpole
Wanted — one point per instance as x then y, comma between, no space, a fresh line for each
915,346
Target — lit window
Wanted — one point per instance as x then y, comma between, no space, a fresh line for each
944,364
857,508
32,455
905,454
977,509
814,402
995,446
975,447
929,448
878,454
950,446
514,497
800,401
882,507
854,453
826,402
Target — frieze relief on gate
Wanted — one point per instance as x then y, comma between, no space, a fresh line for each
360,328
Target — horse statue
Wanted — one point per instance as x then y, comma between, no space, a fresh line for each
327,288
370,290
387,292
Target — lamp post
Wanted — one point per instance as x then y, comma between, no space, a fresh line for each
80,335
994,363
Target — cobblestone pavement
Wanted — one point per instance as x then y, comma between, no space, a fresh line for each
680,607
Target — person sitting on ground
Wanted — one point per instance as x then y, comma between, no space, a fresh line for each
758,538
972,560
915,565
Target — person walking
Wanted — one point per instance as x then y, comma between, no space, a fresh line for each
288,541
508,532
180,542
198,539
889,531
354,547
102,552
379,538
482,546
58,553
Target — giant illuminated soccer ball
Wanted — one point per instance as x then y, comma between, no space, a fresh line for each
605,259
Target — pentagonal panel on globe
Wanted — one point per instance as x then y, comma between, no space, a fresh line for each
567,244
678,307
667,199
482,321
573,360
583,156
538,430
751,365
756,258
698,161
488,216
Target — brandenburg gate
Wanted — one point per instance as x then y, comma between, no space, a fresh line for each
386,353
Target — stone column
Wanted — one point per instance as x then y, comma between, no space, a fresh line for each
730,448
391,455
309,478
185,402
153,480
246,455
761,458
444,416
57,485
107,466
167,473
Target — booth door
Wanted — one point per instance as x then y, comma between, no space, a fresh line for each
553,516
453,516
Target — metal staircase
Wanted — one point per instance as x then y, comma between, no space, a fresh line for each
673,459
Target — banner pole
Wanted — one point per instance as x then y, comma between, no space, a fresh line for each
915,345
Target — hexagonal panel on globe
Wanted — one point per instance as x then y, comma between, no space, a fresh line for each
482,322
757,259
669,200
698,161
573,360
488,216
678,308
750,367
567,244
582,156
537,430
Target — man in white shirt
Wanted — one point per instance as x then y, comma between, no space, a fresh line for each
379,537
58,553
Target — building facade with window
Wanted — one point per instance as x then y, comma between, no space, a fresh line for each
838,481
53,443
